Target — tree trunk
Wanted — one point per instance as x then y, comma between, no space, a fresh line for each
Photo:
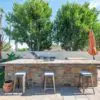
38,45
31,45
9,40
16,46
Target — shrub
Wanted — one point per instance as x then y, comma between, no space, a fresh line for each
12,56
1,77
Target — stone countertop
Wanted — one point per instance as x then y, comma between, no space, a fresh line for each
56,61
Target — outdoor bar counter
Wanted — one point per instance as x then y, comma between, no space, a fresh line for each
66,71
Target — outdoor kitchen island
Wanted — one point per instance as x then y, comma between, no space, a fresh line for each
66,71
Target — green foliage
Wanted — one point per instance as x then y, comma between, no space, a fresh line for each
1,10
30,23
12,56
6,47
3,60
1,78
23,49
72,24
96,29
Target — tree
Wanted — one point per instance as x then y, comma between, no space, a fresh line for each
1,12
96,29
30,23
6,47
72,24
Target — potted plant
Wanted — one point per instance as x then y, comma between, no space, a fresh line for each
8,86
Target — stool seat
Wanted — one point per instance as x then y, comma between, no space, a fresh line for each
20,73
85,73
49,74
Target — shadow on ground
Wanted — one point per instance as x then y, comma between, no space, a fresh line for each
63,91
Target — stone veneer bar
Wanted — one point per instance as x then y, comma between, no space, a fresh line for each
66,71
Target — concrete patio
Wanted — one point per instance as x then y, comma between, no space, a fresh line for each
63,93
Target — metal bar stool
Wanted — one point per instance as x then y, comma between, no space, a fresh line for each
85,74
23,76
47,75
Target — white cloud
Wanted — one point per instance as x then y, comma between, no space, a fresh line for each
95,3
20,46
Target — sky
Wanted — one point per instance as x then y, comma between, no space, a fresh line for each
54,4
7,5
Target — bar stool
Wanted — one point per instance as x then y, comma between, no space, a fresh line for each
23,76
47,75
85,74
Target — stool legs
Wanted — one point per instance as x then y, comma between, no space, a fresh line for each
44,83
92,84
14,84
54,83
23,84
83,84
